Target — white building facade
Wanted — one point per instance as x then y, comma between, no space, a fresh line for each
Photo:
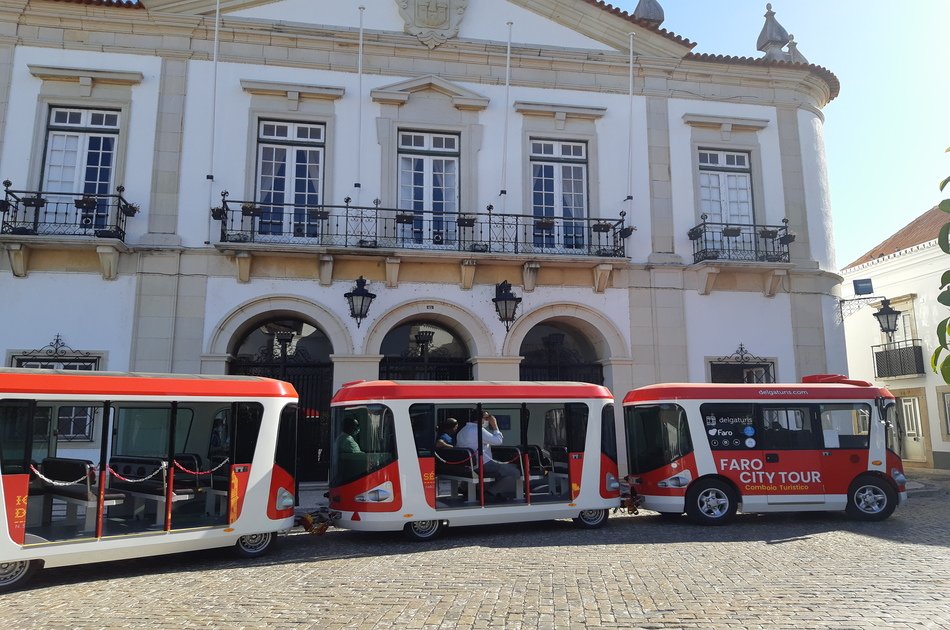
906,270
661,220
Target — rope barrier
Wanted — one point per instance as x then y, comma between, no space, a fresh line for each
467,460
200,472
160,469
81,481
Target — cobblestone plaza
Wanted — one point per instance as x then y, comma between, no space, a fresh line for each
646,571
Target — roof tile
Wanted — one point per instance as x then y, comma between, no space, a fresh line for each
924,228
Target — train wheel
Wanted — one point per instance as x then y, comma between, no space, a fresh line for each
871,499
591,519
254,545
711,502
420,531
14,575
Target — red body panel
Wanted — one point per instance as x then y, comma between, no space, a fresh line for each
460,390
344,497
575,468
279,478
756,393
427,470
608,465
648,481
16,490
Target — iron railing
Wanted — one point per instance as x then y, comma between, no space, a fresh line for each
374,226
898,358
746,242
49,213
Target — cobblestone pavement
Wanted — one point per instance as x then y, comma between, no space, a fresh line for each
774,571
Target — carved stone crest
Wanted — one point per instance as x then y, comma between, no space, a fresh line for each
432,21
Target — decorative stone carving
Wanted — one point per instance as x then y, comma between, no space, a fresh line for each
432,21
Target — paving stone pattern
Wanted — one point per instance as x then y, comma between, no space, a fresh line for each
647,571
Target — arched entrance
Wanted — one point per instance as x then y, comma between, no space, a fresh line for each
424,350
298,352
557,352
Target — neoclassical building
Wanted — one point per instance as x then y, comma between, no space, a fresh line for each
204,187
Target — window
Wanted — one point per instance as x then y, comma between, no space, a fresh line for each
558,191
80,158
845,425
788,428
946,413
657,435
725,186
428,184
290,165
363,441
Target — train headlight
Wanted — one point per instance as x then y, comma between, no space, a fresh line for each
898,477
380,494
285,499
679,480
612,482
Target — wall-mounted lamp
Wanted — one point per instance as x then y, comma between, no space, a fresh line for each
359,300
887,319
506,304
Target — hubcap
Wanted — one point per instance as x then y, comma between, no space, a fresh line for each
10,572
713,502
870,499
592,517
254,542
424,528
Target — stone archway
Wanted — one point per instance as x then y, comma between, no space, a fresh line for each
471,330
608,342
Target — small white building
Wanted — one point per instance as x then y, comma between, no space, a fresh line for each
905,270
198,193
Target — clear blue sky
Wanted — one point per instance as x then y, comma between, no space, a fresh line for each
886,133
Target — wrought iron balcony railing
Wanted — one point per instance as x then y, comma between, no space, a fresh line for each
899,358
48,213
746,242
374,226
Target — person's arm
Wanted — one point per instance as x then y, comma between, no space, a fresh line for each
493,437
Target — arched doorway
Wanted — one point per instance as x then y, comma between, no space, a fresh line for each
424,350
298,352
555,352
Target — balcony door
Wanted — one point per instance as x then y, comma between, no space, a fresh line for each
428,189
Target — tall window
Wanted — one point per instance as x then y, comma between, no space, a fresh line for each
290,163
428,184
80,157
559,191
725,186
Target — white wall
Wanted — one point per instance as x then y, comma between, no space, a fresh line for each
483,20
817,196
91,314
717,323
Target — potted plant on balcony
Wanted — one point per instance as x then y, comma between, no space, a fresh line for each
466,220
695,233
219,214
731,231
601,226
318,214
250,209
33,202
787,238
544,223
768,233
4,205
405,218
85,203
129,209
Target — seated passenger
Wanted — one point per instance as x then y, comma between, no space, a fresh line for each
447,431
346,441
506,475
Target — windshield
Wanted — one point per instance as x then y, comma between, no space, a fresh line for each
894,430
657,435
363,441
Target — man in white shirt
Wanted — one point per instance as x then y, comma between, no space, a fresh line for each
505,475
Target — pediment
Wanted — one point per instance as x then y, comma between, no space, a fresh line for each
399,93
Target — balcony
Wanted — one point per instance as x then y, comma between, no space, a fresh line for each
79,214
900,358
743,243
375,227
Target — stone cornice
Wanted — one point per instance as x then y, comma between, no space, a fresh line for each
269,88
553,109
55,73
